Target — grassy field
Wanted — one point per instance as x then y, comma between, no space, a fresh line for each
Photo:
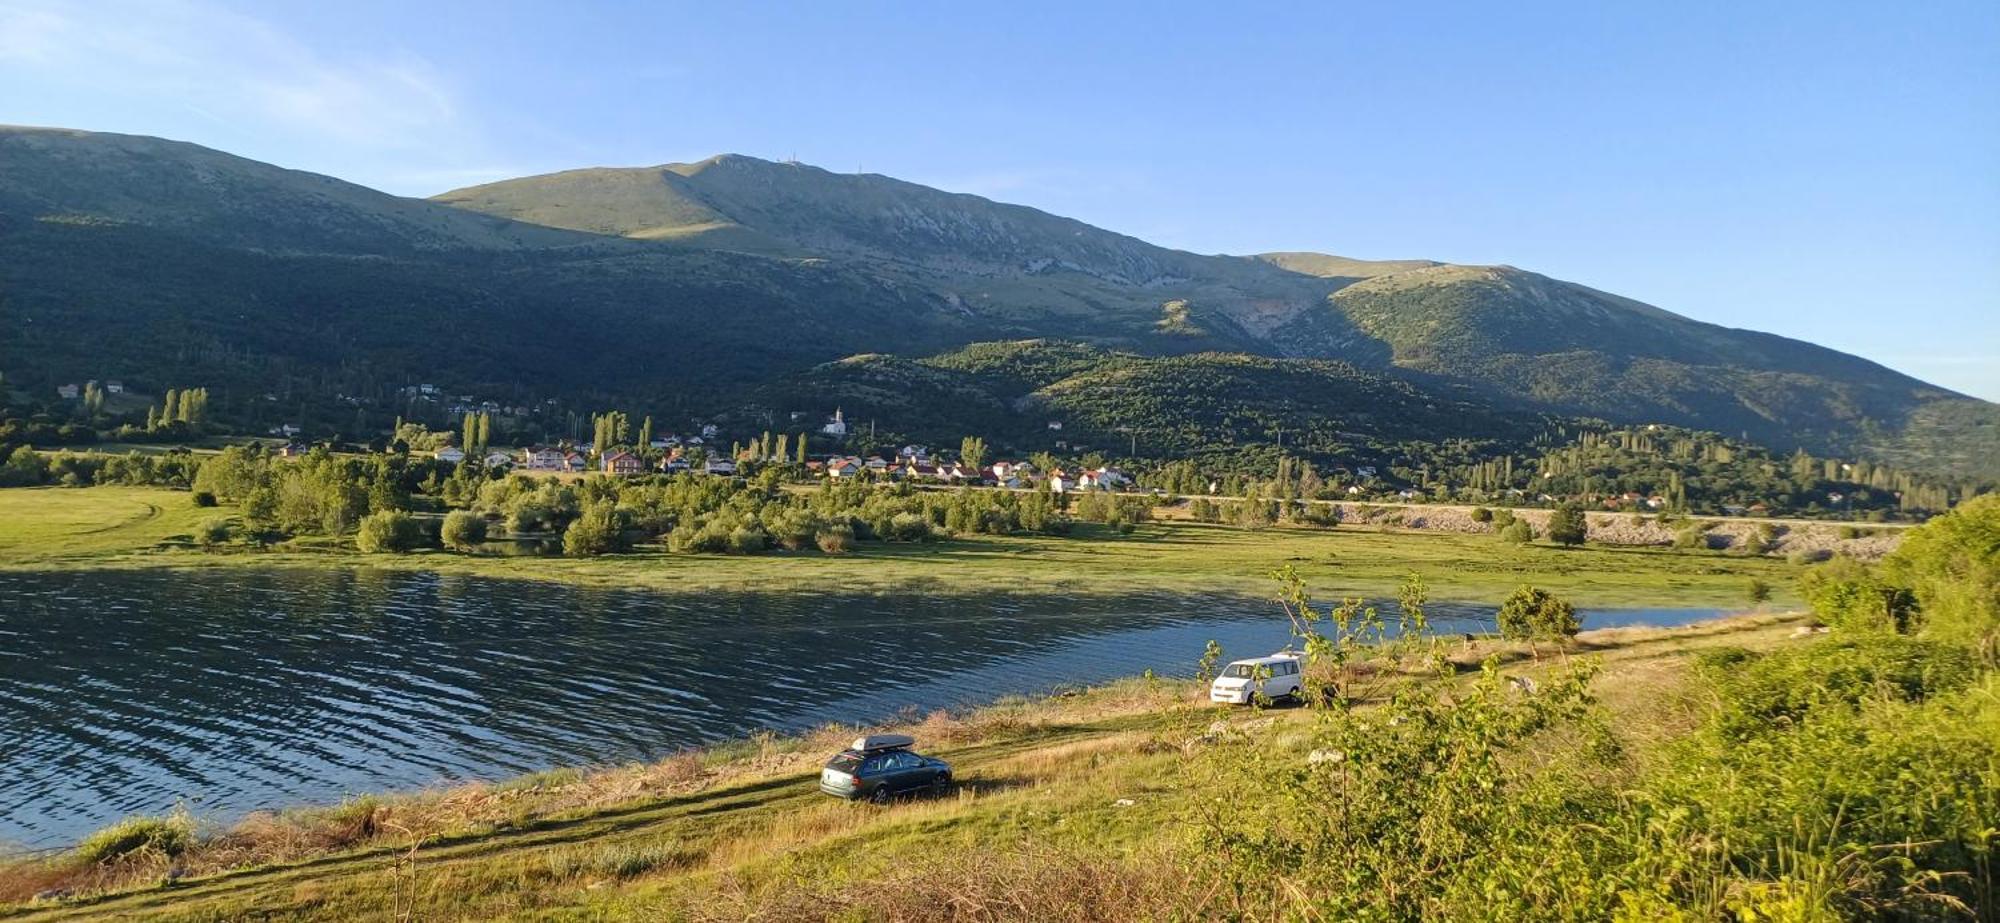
114,527
1067,808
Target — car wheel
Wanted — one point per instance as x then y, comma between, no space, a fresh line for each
943,780
880,795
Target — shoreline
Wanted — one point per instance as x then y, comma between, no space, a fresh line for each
369,827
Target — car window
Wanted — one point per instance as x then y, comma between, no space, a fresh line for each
875,764
845,762
904,761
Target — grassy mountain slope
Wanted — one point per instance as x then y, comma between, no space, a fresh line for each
686,286
1579,350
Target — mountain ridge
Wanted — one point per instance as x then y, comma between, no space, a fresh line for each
693,283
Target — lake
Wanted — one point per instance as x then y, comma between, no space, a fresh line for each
231,690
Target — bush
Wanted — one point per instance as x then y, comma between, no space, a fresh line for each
835,539
746,540
1758,592
1518,532
1781,688
1567,526
1692,537
908,527
1952,567
1851,597
170,835
594,532
1536,614
463,530
202,499
214,532
1481,514
387,532
1202,509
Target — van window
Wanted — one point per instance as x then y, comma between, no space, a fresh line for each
1240,671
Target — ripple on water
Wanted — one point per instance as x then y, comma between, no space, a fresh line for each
236,690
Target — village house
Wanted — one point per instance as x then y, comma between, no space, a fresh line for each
286,430
498,459
876,464
1103,479
843,467
67,392
575,461
542,458
719,466
114,386
449,455
292,450
1060,482
624,464
837,426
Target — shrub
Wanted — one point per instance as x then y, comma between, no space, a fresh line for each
1783,687
1567,526
1692,537
835,539
387,532
1851,597
908,527
1518,532
168,835
463,530
1536,614
1758,592
594,532
202,499
1952,567
746,540
1849,533
1481,514
1202,509
214,532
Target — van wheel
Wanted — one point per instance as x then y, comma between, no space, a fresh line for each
1294,695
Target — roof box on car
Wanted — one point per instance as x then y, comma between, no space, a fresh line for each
882,742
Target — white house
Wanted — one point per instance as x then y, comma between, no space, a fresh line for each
719,466
67,392
114,386
1060,482
542,458
449,455
498,459
843,467
836,426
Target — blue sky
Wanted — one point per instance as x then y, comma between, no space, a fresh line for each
1827,171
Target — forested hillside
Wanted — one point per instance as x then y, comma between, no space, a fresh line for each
725,286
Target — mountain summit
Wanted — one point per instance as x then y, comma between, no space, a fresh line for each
709,280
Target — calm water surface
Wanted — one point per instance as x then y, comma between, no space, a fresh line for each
237,690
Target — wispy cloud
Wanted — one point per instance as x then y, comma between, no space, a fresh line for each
244,76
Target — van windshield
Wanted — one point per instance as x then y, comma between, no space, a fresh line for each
1240,671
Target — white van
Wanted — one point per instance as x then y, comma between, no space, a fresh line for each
1280,675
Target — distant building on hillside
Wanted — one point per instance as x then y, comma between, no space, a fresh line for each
623,463
449,454
834,427
68,392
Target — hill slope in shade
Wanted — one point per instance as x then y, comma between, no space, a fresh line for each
692,286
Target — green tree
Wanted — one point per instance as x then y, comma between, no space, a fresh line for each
972,452
594,532
463,530
1567,526
1535,614
387,532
